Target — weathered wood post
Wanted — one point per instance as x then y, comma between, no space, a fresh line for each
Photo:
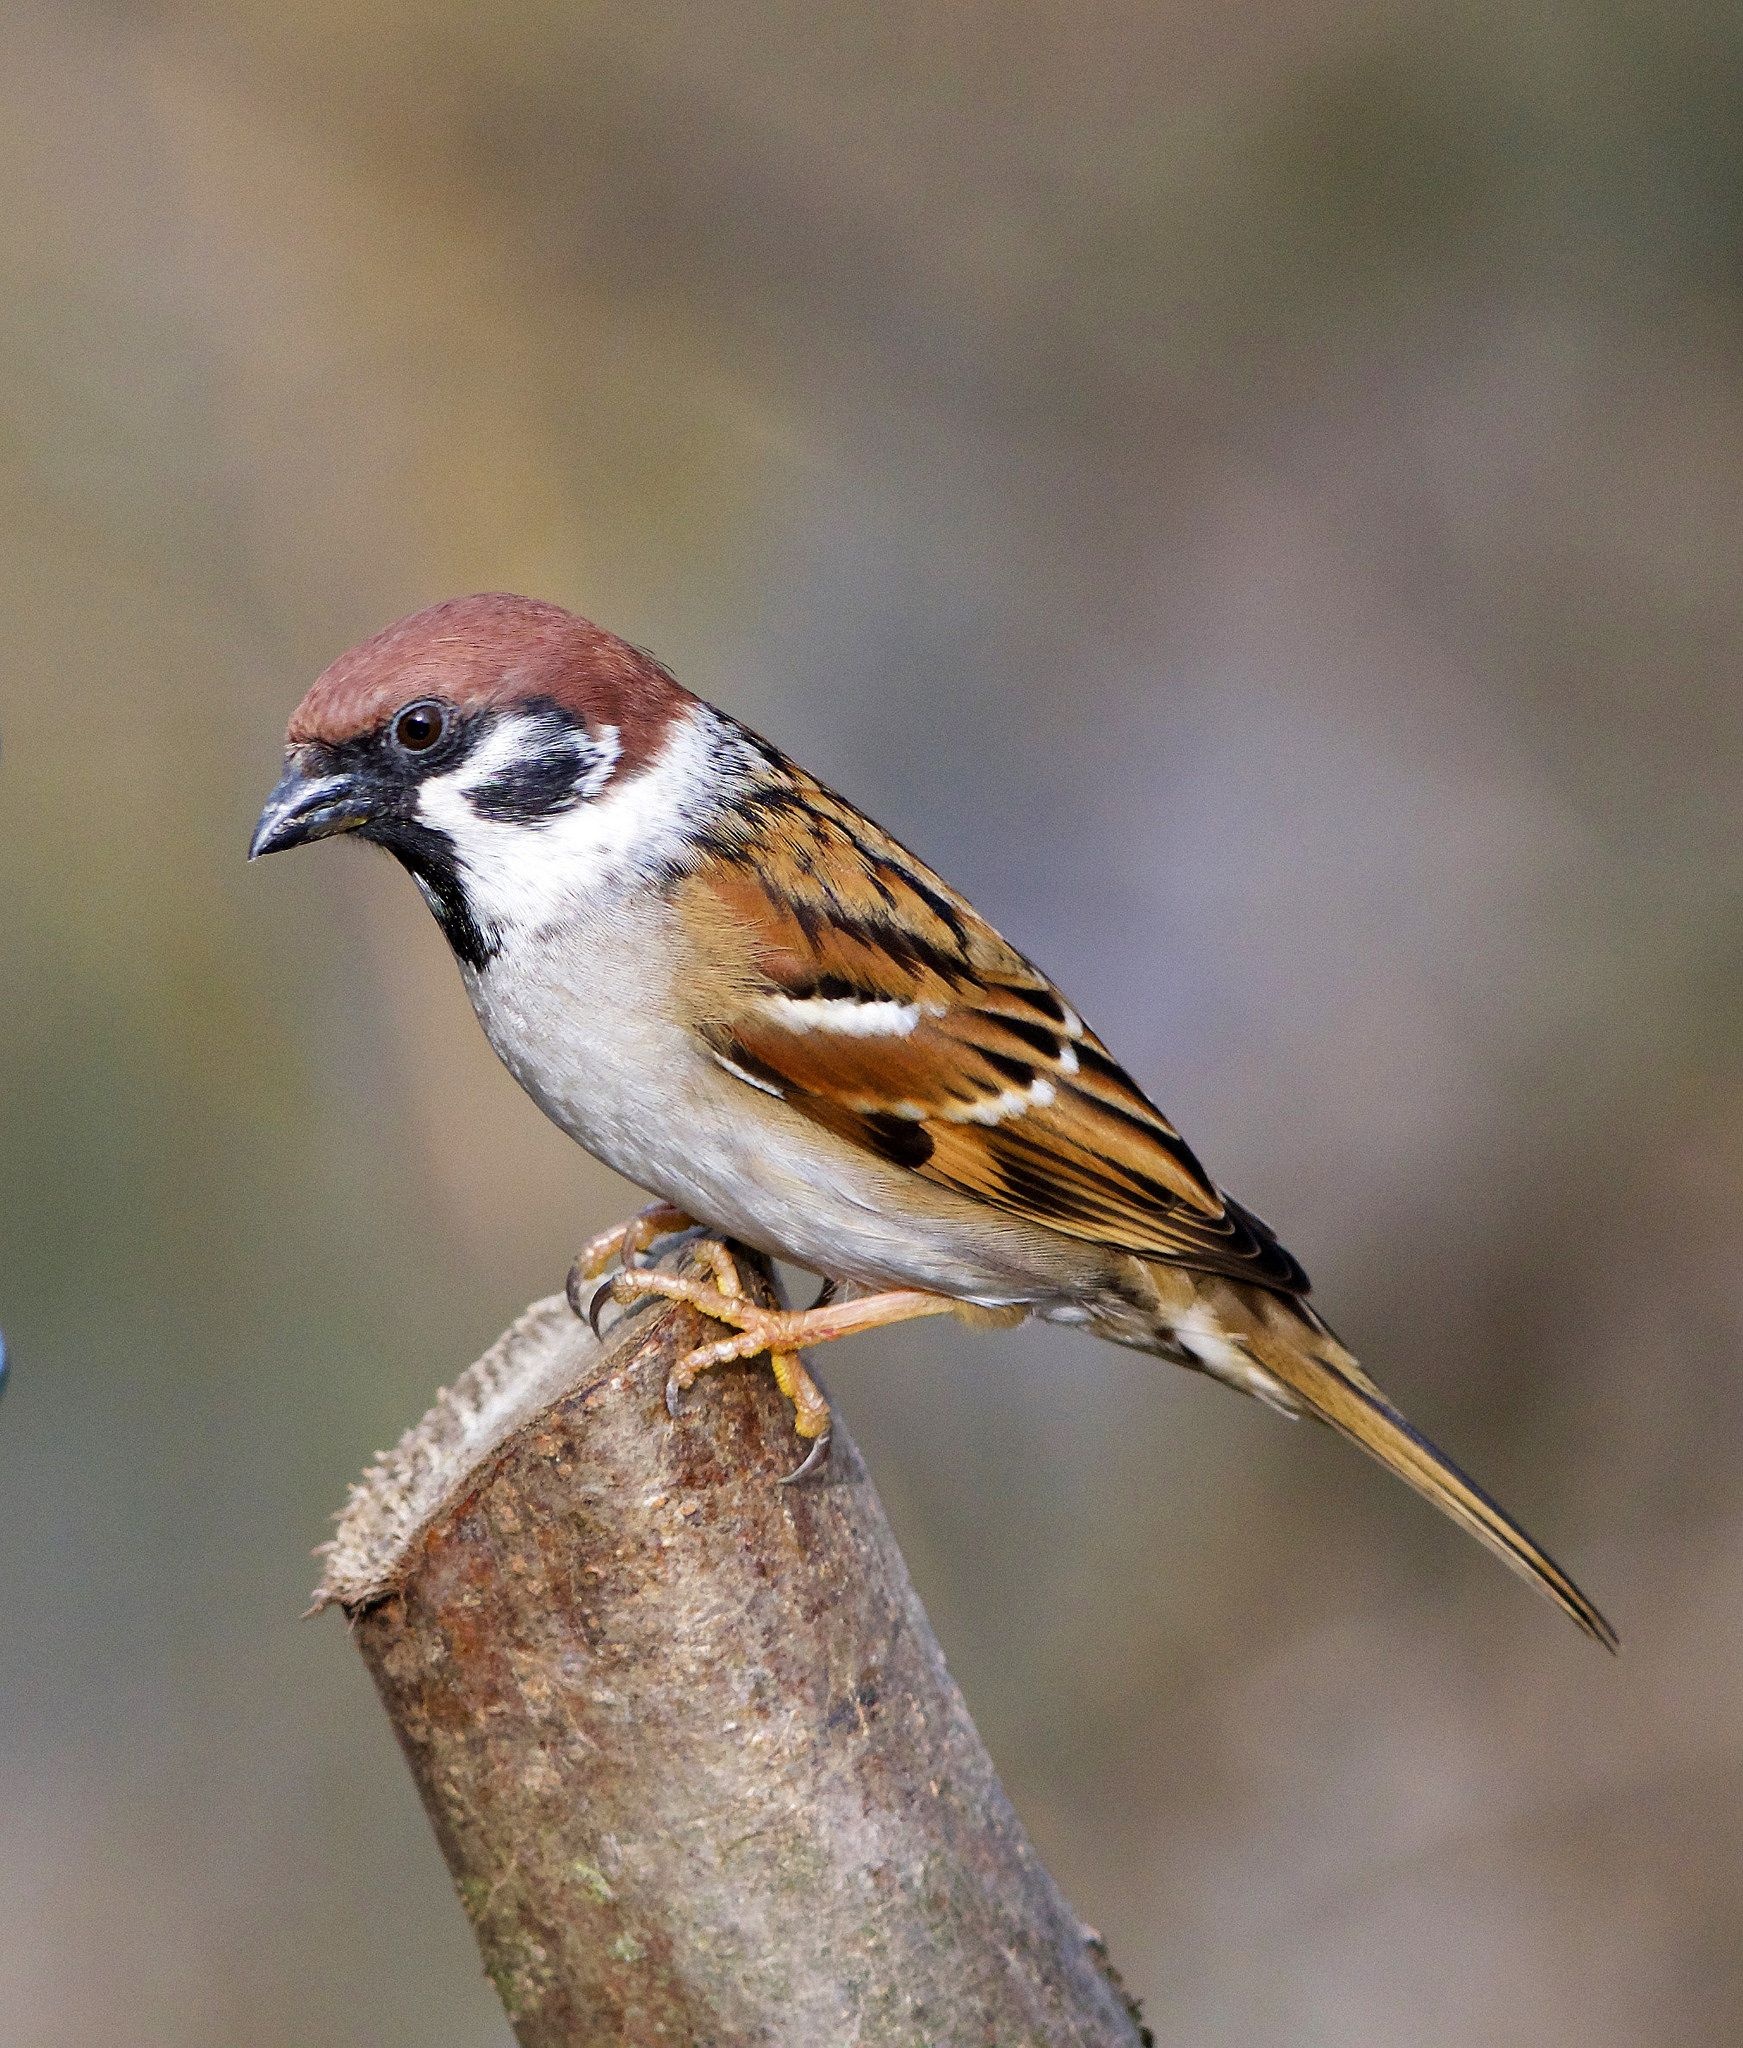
684,1733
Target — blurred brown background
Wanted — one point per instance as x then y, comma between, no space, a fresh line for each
1255,494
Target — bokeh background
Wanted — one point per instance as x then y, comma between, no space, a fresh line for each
1255,494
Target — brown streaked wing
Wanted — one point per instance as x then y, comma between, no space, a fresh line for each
995,1089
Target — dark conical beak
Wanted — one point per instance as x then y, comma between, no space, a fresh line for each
305,806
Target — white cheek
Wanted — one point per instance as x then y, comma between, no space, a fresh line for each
526,875
607,752
504,746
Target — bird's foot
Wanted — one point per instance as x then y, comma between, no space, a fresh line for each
757,1331
782,1333
625,1244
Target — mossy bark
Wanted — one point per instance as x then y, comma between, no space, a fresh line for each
685,1735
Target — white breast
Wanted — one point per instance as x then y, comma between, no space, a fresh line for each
578,1003
578,1017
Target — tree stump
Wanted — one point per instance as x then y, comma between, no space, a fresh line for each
684,1733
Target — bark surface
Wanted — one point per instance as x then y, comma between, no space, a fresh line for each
685,1735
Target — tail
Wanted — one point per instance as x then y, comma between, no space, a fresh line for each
1295,1350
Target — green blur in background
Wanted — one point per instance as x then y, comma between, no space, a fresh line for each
1255,494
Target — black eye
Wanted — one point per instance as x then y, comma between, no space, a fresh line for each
419,726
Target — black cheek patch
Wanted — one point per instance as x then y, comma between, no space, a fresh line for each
542,786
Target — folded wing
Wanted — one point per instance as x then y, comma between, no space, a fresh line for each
876,1001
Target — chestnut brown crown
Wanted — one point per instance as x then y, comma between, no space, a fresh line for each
494,650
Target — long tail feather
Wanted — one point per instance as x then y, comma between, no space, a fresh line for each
1327,1382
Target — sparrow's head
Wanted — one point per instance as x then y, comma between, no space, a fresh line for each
506,752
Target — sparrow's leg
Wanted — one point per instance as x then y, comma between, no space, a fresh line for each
810,1408
771,1329
782,1333
779,1332
626,1242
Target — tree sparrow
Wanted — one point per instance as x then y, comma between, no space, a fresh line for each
731,986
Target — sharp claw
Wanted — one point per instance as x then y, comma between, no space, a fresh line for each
674,1396
572,1289
815,1458
596,1303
